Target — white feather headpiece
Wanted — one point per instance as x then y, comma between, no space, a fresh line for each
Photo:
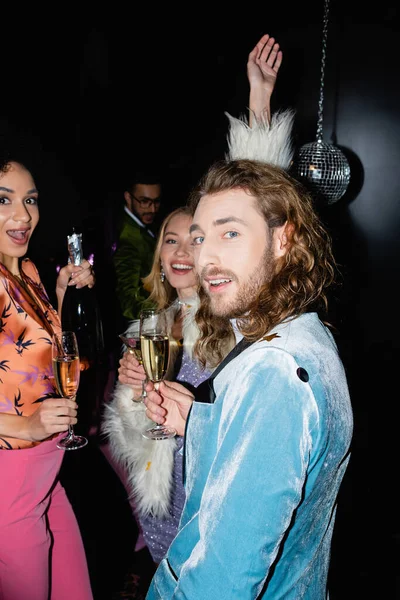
265,142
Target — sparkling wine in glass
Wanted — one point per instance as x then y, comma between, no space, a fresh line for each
66,368
133,345
154,343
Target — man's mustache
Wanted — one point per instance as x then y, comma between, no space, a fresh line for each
216,273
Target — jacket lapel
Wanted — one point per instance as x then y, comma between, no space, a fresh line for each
205,391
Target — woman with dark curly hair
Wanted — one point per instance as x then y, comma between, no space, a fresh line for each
41,552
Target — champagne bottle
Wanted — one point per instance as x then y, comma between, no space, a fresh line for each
80,312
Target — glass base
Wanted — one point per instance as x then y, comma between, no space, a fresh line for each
159,432
72,442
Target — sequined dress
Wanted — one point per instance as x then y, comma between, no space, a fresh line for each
158,533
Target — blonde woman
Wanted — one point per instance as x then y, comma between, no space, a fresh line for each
155,468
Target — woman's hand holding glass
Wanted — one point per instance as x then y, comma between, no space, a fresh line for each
155,346
131,372
169,404
52,417
66,370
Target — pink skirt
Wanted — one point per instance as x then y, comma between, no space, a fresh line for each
41,546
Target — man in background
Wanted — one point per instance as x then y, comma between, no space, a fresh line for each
136,242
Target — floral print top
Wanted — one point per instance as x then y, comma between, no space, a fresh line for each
27,322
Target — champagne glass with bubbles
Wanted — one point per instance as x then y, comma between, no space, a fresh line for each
154,343
66,368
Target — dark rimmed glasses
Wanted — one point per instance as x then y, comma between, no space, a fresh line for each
147,202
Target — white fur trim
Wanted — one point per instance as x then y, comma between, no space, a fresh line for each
268,143
149,463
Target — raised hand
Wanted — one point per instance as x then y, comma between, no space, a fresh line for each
263,65
169,404
78,275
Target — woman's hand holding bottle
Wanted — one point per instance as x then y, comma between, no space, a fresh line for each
79,275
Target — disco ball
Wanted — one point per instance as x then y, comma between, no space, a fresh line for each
324,169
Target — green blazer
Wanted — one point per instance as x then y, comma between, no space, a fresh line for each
132,259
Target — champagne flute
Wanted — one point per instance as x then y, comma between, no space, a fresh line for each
66,367
132,343
154,343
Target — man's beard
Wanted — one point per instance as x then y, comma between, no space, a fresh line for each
247,291
146,216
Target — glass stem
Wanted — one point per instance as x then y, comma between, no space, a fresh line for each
144,393
71,433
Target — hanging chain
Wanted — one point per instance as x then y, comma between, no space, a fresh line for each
321,89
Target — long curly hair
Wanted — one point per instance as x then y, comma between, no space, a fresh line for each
162,294
300,278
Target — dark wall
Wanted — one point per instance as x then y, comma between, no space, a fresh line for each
157,85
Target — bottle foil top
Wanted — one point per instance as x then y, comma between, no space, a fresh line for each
75,248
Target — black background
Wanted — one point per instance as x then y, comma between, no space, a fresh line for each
91,94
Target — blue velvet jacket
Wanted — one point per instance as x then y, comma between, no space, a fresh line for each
264,464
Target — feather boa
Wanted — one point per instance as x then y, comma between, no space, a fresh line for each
149,463
266,142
